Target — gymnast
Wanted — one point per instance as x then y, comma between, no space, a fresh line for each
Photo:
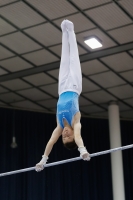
69,89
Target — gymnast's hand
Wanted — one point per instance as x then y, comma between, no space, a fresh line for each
40,166
84,154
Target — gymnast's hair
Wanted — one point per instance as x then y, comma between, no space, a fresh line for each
71,145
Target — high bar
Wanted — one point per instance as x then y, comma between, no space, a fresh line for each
68,160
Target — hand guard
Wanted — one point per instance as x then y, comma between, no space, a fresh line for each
41,164
84,154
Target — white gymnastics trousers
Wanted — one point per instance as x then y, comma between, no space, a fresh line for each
70,76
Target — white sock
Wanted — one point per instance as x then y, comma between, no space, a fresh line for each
63,26
69,25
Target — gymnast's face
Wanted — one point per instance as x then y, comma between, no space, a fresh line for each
67,135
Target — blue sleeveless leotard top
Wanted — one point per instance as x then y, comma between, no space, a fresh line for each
67,107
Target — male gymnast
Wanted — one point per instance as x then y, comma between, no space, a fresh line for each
69,89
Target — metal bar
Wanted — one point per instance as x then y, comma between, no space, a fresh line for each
68,160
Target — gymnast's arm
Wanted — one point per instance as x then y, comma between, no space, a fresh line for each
77,130
54,137
78,138
77,134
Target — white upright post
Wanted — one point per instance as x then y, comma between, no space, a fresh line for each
116,157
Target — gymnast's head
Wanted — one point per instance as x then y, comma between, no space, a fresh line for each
68,138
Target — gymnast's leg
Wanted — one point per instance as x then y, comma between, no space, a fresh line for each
75,68
64,65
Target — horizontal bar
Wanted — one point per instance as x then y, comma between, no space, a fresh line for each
68,160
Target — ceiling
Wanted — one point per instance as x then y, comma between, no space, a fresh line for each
30,38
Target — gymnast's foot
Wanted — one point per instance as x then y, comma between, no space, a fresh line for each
63,26
69,25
